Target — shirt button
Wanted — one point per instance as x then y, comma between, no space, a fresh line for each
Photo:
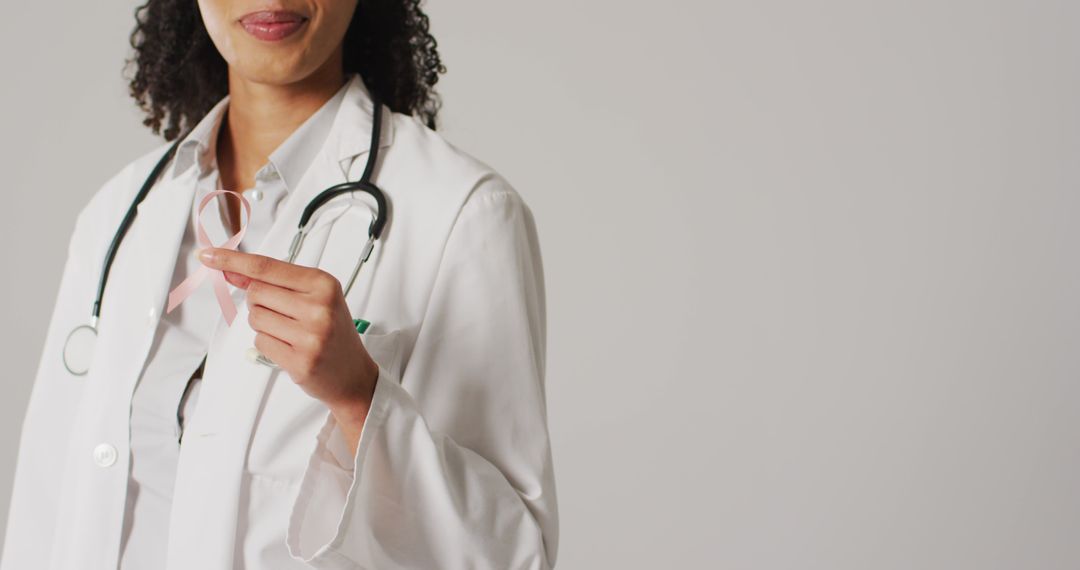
104,455
255,194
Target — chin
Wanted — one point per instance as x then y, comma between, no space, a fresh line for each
274,70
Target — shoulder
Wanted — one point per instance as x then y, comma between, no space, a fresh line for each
110,200
99,217
442,175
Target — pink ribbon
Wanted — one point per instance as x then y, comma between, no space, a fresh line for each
221,289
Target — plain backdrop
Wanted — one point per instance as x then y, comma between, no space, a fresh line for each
812,266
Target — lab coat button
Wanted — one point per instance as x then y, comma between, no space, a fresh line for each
255,194
104,455
151,315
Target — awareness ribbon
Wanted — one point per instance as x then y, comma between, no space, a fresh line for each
221,290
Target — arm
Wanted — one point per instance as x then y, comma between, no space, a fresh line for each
452,467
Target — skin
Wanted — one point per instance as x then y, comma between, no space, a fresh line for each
299,313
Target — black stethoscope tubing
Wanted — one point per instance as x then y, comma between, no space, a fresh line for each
365,185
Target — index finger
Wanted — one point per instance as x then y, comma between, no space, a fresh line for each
259,267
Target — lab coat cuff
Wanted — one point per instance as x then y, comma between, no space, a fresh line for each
338,449
324,503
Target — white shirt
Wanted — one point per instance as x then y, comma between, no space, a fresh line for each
167,390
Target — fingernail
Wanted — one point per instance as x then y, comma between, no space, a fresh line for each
206,254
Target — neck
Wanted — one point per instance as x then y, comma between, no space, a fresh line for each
260,117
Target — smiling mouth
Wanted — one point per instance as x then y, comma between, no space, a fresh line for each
272,25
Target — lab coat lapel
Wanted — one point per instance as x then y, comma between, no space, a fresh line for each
207,498
209,487
138,278
139,281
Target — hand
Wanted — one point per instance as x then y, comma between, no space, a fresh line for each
303,324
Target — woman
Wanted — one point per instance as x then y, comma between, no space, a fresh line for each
421,443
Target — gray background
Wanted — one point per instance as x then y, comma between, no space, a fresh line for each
812,266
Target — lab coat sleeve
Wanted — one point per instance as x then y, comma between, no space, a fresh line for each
453,467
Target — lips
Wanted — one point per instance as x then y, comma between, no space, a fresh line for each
272,25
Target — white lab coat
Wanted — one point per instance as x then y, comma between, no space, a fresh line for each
454,466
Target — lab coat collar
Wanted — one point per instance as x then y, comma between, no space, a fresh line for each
351,135
199,147
295,155
348,138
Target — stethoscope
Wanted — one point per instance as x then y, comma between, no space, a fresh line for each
81,341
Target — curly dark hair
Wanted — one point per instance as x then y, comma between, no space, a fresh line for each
179,74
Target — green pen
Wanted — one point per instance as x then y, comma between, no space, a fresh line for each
361,325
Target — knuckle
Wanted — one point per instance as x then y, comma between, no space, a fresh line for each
326,284
311,343
321,319
261,265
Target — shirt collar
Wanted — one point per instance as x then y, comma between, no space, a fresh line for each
290,159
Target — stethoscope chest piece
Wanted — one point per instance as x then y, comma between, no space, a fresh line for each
79,349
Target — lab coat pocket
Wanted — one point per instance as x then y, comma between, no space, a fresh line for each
385,349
